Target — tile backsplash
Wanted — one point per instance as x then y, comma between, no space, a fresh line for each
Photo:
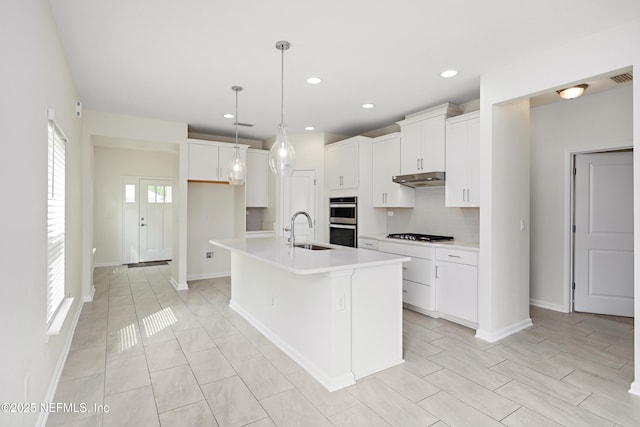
430,216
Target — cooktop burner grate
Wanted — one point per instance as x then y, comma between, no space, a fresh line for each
419,237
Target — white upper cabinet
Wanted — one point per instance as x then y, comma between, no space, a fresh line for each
257,178
462,162
342,164
386,164
423,140
208,160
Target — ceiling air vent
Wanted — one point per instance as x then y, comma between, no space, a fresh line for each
623,78
249,125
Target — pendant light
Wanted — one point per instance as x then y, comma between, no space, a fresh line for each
282,156
236,170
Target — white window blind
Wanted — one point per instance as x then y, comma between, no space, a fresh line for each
55,221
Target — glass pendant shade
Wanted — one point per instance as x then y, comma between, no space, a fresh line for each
282,156
236,170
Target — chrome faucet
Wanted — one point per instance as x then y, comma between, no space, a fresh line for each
292,236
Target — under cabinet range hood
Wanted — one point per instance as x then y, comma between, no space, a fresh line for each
420,180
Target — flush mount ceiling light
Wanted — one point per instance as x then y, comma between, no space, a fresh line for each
573,91
449,73
282,156
236,170
309,128
314,80
367,106
228,116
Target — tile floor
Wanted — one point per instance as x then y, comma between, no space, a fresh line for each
155,356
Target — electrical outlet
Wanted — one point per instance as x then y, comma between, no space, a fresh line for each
208,255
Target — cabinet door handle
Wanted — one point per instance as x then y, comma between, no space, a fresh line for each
422,164
418,164
463,195
404,290
468,197
453,256
436,271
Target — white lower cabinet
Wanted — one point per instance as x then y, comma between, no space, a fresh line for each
367,243
456,277
417,284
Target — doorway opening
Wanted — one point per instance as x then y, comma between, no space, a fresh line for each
147,219
602,233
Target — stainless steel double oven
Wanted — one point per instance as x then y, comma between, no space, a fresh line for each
343,221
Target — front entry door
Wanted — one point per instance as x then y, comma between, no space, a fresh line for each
299,194
603,266
155,219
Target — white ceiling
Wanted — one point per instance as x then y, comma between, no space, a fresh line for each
177,60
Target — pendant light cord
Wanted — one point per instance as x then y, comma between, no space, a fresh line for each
282,88
237,123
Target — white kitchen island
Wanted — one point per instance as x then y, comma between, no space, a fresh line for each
336,312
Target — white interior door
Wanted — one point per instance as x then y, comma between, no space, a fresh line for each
155,220
603,266
299,194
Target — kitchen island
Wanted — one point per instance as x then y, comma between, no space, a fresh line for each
337,311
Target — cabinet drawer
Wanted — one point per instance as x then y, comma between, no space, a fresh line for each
364,243
418,294
458,256
417,270
414,251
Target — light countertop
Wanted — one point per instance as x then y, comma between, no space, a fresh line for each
454,244
276,251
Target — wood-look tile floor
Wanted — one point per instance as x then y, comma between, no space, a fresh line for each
160,357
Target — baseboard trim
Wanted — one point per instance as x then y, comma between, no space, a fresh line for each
89,298
635,388
178,286
209,275
53,385
504,332
547,305
107,264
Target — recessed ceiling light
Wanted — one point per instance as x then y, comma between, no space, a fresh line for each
449,73
314,80
309,128
573,91
367,106
228,116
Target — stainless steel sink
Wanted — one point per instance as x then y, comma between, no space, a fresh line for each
312,247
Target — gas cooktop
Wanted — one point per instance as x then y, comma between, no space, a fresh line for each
419,237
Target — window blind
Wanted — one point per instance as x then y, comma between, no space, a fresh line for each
55,220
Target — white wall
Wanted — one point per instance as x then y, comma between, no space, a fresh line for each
591,56
110,164
34,75
598,121
430,216
212,213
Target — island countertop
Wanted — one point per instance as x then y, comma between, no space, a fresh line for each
276,251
